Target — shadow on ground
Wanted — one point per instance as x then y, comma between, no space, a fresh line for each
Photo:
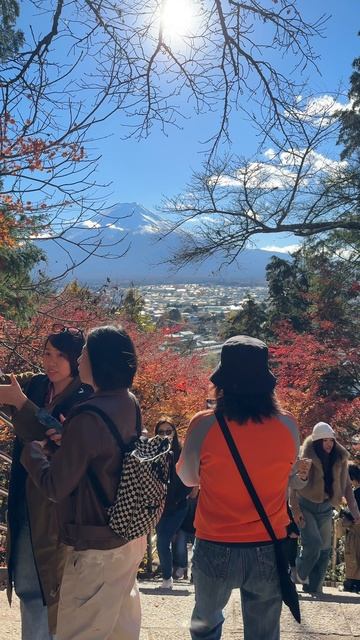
158,591
340,598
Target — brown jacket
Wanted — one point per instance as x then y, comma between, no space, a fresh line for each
87,444
351,531
49,553
314,489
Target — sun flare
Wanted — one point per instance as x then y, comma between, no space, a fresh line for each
177,18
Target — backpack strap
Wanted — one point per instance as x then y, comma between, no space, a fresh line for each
138,415
105,418
115,433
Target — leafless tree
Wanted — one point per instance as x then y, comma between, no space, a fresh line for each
290,189
87,60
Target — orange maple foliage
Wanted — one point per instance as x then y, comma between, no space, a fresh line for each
301,363
20,153
166,382
173,384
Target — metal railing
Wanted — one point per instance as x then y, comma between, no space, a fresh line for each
5,463
5,457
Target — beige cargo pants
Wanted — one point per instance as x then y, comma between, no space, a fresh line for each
99,598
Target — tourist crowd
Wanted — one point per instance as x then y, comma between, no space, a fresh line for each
241,470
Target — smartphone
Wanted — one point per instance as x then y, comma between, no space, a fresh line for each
48,420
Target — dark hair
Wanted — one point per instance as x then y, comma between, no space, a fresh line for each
112,357
175,444
327,460
70,345
241,408
354,471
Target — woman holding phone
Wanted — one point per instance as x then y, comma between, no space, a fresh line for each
35,557
99,598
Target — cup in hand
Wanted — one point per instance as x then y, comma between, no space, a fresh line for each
304,466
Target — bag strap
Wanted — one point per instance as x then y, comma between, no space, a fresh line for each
109,422
115,432
138,416
105,418
99,490
244,474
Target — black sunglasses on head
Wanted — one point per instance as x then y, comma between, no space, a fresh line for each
61,328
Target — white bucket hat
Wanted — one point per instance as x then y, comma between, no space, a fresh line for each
322,430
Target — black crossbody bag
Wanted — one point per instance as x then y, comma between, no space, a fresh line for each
288,590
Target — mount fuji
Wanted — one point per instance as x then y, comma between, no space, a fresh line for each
146,253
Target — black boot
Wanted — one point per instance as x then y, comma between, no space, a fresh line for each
349,585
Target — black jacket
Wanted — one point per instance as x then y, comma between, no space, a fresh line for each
177,493
36,389
26,501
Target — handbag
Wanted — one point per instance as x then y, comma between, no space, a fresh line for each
287,587
143,484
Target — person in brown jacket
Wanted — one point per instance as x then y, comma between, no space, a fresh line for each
312,506
35,556
99,598
351,530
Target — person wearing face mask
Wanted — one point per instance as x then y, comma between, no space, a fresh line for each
35,557
312,506
175,508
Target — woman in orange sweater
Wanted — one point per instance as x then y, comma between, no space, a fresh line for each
232,547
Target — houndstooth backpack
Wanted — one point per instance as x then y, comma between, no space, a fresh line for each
142,490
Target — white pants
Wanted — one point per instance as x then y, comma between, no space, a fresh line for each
99,598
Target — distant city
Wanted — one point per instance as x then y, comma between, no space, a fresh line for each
195,312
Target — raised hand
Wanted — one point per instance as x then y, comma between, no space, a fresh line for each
12,394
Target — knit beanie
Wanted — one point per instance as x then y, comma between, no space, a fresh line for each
322,430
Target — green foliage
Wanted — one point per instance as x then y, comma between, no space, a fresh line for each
132,309
11,39
250,320
334,289
314,290
170,318
288,283
314,317
174,315
350,119
18,295
349,137
18,299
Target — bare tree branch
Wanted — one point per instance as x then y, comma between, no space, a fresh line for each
99,59
292,189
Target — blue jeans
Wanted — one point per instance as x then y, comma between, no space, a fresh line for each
34,618
179,548
316,542
165,531
217,570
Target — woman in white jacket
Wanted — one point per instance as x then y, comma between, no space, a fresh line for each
312,506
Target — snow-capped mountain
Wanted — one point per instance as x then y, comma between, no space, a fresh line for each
146,248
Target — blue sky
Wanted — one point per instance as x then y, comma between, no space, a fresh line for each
144,171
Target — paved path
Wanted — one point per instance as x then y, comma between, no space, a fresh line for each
336,616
